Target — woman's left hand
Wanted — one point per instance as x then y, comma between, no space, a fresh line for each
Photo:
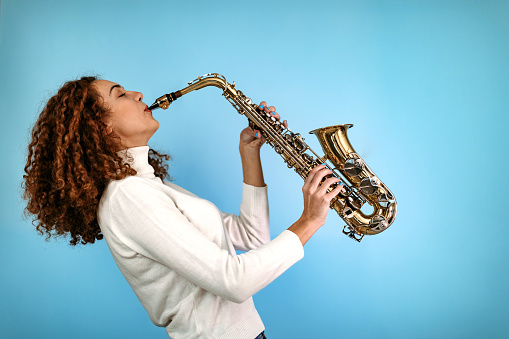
253,139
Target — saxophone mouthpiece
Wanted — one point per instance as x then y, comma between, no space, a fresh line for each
165,100
154,106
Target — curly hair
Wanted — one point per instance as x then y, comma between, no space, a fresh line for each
71,159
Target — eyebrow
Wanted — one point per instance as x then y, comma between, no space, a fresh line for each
112,87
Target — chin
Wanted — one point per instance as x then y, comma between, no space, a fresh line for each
155,127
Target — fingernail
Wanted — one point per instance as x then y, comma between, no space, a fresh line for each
256,134
273,113
261,106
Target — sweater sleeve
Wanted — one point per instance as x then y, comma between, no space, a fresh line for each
251,228
148,221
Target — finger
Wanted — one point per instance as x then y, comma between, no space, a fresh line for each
326,184
261,140
335,191
253,133
313,171
262,105
273,113
318,177
311,175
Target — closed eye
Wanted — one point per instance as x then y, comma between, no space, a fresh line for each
123,94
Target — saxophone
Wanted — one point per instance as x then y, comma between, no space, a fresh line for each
361,185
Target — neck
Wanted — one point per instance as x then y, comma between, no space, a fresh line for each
137,158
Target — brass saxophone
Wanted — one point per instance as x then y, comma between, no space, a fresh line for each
361,185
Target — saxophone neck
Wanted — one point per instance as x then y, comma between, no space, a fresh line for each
211,79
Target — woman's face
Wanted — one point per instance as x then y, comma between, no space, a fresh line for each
130,118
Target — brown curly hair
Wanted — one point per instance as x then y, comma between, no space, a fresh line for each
71,159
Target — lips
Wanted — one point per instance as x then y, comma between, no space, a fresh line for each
147,110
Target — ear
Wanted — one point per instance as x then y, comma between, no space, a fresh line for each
109,127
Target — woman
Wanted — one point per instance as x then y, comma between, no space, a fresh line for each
91,174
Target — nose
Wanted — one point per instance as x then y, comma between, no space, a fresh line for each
138,96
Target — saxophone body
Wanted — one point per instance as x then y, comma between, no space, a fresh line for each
361,185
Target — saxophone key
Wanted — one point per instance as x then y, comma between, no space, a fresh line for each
299,137
279,127
353,203
333,201
300,146
354,167
307,158
369,186
378,223
347,212
385,199
343,193
352,233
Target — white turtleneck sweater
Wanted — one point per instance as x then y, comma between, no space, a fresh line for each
177,251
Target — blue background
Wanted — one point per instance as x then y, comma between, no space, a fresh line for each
424,82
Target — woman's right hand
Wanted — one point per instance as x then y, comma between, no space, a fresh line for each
316,202
316,198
